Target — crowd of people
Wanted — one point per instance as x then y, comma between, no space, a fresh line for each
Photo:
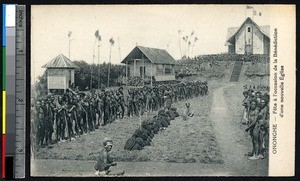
143,135
256,118
74,113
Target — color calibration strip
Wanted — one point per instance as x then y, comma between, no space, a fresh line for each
14,91
8,86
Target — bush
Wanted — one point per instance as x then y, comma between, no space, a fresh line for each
98,72
40,85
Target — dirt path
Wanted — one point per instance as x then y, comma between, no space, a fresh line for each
79,168
229,136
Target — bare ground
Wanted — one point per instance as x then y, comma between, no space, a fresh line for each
190,141
235,144
212,143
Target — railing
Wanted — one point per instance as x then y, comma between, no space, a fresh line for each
159,78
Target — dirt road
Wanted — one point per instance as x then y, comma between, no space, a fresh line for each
230,135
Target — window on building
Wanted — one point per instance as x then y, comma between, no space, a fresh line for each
159,69
142,71
168,69
249,29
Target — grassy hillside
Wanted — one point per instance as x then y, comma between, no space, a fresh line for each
219,67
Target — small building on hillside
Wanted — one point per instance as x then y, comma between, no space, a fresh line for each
150,62
60,74
249,38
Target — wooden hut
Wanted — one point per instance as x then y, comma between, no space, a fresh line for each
60,74
150,62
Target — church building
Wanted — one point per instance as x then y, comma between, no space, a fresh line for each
249,38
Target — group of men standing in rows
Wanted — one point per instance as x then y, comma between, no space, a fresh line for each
256,117
74,113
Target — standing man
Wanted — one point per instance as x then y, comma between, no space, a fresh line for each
99,109
167,99
130,103
84,113
135,102
51,116
43,121
60,119
33,129
94,110
70,116
39,123
78,114
253,128
246,104
263,121
106,100
121,102
88,120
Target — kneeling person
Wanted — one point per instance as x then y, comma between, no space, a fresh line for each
104,161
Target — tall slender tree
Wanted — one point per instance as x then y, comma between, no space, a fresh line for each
189,44
185,38
195,40
188,49
179,41
98,37
70,39
112,42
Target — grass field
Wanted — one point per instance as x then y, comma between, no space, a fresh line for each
187,141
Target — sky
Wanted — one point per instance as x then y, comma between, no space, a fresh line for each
154,26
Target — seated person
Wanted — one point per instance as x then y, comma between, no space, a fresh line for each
105,161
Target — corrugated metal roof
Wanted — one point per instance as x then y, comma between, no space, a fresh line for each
155,55
232,31
60,61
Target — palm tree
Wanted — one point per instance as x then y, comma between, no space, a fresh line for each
188,49
192,33
186,38
98,37
179,40
70,39
112,42
189,44
195,40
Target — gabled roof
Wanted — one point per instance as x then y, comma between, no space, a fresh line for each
155,55
232,31
60,61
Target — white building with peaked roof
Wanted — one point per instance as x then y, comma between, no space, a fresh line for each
249,38
60,74
150,62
